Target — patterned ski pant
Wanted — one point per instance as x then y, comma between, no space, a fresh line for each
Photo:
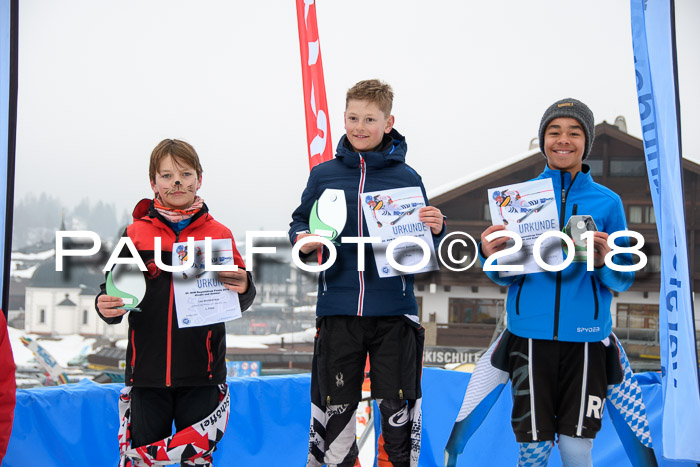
332,438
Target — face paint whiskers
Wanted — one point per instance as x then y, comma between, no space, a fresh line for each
178,187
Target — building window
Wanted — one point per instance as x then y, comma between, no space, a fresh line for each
637,316
419,301
596,167
627,168
653,264
642,215
85,316
470,310
42,316
487,212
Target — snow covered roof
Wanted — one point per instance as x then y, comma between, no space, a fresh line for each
32,255
25,261
22,273
475,175
601,128
84,276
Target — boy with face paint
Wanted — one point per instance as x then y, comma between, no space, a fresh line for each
172,374
558,349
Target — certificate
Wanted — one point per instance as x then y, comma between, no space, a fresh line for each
200,298
393,213
529,209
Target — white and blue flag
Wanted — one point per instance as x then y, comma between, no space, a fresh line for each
653,42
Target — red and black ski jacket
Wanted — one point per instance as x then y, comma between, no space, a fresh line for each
160,354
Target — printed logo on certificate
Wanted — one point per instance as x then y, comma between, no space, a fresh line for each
200,298
529,209
391,214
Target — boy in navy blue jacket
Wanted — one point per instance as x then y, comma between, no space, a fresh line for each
358,312
559,323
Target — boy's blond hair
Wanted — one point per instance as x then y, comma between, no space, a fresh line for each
372,90
183,154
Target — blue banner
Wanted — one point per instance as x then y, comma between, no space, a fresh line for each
4,106
76,425
652,37
8,107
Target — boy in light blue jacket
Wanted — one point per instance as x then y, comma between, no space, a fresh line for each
559,344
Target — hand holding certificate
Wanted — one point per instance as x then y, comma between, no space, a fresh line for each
529,210
200,297
391,214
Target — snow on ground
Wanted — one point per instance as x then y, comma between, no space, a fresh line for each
65,348
262,341
62,350
22,273
22,355
68,347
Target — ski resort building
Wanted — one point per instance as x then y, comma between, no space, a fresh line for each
63,303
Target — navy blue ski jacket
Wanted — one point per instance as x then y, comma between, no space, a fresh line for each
342,289
574,304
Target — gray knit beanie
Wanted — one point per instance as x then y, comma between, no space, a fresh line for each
573,109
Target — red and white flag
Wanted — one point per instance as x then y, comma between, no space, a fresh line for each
318,132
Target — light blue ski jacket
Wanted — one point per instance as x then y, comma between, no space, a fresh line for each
574,304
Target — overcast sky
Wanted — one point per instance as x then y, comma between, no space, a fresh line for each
102,82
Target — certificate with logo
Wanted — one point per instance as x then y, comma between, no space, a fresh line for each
200,298
391,214
529,209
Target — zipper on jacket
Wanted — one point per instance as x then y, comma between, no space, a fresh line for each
325,286
133,354
562,210
574,210
168,359
517,297
399,374
403,285
595,297
361,277
210,357
168,383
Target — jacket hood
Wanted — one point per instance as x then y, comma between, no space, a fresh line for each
393,149
142,208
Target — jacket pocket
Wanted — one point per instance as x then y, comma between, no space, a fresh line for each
595,297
